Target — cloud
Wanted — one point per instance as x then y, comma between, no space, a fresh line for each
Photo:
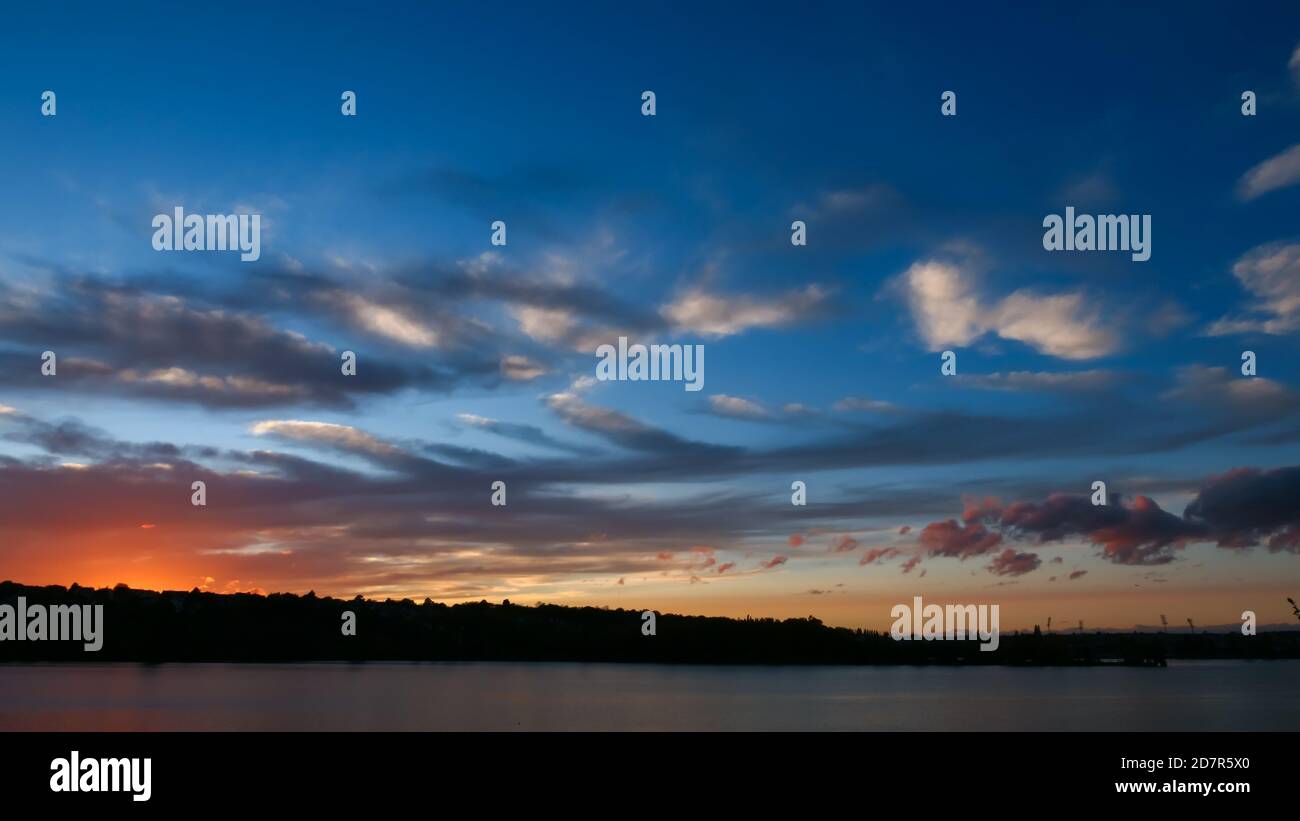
343,437
701,312
1095,189
392,323
1271,274
1021,381
845,202
949,313
520,368
737,407
1247,507
545,324
944,307
528,434
127,341
1077,574
850,404
845,544
624,431
1061,325
1011,563
958,540
1243,508
1280,171
1243,400
877,553
775,561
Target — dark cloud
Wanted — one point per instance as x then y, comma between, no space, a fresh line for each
114,339
957,540
1247,507
1011,563
1243,508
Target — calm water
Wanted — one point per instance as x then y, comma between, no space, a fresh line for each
1218,695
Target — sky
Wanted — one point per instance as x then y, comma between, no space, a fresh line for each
476,363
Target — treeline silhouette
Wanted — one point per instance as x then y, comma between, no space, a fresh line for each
176,626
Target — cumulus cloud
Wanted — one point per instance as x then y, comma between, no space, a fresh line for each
948,313
958,540
1243,508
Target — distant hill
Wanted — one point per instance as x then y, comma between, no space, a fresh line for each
177,626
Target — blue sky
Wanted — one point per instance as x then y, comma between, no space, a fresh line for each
822,364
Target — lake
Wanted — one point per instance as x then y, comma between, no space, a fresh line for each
1201,695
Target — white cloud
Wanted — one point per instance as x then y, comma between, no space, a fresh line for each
709,314
231,385
575,411
341,436
1062,325
387,322
945,310
544,324
520,368
1271,273
949,313
1274,173
737,407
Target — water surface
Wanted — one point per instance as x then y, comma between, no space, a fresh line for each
1209,695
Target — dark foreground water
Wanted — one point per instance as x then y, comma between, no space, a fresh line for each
1214,695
